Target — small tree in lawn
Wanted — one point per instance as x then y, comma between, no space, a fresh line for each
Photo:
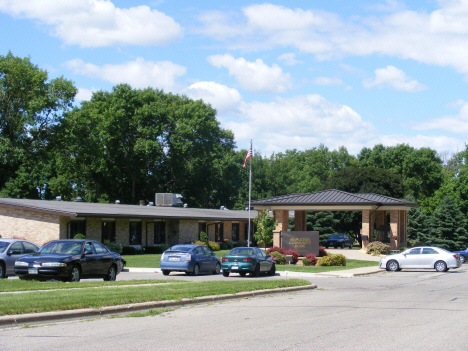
265,226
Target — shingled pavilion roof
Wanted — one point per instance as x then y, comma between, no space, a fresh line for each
332,200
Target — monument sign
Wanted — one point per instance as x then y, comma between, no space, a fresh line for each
302,242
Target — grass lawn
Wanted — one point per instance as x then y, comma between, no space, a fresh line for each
66,299
152,261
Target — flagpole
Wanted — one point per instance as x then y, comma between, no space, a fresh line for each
250,191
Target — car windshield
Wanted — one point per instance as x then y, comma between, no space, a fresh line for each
3,246
338,236
241,252
180,248
62,248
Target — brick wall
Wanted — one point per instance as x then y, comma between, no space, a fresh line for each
188,231
39,228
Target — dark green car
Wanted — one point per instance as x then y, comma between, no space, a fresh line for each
245,260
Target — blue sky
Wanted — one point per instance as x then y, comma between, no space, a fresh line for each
288,74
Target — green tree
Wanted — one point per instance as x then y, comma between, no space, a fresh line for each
448,226
265,226
418,230
322,221
129,144
30,106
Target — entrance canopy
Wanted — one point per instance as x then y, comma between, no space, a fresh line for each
337,200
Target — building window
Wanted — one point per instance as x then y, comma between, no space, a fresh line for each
219,232
77,227
201,228
235,231
159,232
135,233
108,232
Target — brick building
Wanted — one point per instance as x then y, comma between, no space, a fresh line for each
41,221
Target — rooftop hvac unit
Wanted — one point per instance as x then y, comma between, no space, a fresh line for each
168,199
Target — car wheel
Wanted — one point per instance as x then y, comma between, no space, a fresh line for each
165,272
225,273
217,269
242,274
2,271
342,245
111,275
272,270
256,271
393,266
440,266
196,269
74,275
462,259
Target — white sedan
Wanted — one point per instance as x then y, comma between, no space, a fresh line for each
422,257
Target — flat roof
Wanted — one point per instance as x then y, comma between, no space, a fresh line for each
104,210
329,200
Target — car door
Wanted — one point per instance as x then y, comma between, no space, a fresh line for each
429,257
210,259
89,262
411,259
14,252
103,258
262,259
200,258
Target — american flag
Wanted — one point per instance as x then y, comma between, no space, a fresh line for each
249,154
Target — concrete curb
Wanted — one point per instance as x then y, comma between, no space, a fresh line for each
91,313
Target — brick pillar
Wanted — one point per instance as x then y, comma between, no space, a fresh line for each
402,228
367,227
282,216
300,221
394,228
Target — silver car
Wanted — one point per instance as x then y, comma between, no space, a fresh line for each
427,257
10,251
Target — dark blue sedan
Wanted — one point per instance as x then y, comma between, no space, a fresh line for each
191,259
463,255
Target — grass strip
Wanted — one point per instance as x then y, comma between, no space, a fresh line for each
350,264
8,285
69,299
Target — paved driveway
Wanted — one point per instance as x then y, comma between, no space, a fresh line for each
354,254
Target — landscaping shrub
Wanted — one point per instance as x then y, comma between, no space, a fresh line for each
322,252
332,260
204,237
278,257
293,253
377,248
311,258
213,246
114,247
199,242
275,249
306,262
155,249
79,236
227,244
240,243
130,250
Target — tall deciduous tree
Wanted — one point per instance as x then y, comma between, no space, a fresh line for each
30,105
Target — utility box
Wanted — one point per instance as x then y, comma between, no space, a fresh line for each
169,200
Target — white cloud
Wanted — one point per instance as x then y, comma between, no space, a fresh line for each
388,6
327,81
254,76
439,37
394,78
289,59
97,23
221,97
138,73
84,94
457,124
300,122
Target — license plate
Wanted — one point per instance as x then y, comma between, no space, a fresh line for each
173,258
234,267
32,271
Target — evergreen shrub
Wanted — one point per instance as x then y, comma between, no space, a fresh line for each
114,247
376,248
278,257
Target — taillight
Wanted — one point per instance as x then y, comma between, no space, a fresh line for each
162,257
225,259
188,257
248,259
455,256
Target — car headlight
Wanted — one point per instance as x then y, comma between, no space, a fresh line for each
53,264
21,264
